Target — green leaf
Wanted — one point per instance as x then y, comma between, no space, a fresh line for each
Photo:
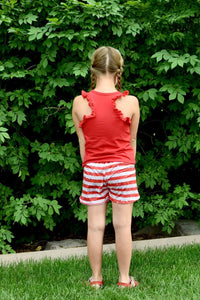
117,30
3,136
23,220
174,64
180,98
181,62
145,96
80,70
20,117
133,29
50,210
173,96
45,63
197,70
152,93
31,18
56,206
158,56
3,129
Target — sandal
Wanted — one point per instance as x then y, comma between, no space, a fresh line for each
132,283
96,284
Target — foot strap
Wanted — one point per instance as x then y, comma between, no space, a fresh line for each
97,284
131,283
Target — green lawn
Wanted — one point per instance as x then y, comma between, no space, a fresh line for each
173,273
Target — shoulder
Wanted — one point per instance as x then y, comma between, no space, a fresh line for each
76,104
77,101
133,105
132,100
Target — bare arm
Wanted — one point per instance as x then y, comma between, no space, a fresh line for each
134,124
79,130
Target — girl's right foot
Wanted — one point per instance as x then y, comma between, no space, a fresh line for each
132,283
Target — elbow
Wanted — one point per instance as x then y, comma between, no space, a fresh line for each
81,141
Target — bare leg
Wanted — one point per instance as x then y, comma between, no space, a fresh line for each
96,228
122,217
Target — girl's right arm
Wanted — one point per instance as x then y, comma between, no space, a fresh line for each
135,123
79,130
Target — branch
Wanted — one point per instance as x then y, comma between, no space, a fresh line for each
57,109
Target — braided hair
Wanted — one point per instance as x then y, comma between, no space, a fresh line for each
93,80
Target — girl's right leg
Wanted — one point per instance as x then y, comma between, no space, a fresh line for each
96,228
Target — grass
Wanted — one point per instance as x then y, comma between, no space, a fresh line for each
168,274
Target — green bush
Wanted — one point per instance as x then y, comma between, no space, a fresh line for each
45,54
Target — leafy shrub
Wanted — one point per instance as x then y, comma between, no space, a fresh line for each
45,56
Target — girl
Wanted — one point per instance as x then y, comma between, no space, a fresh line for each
106,123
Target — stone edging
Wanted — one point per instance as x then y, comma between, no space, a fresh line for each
82,251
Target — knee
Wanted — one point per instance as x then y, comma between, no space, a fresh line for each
120,225
96,226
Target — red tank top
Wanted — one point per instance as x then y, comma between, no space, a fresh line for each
106,130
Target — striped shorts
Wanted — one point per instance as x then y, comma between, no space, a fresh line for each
115,181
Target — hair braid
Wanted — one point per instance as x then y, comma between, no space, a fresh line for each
119,81
93,80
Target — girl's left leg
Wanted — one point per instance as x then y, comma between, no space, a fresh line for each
96,228
122,217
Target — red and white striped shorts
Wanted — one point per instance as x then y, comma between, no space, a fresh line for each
115,181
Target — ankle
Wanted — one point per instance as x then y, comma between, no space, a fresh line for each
124,278
97,277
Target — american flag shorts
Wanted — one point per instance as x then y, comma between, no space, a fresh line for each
113,181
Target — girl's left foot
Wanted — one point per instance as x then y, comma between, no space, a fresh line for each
96,284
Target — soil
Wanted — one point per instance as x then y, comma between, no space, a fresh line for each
109,238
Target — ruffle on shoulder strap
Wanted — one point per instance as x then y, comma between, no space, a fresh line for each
84,94
90,102
125,93
118,112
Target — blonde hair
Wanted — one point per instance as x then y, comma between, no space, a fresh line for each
107,59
